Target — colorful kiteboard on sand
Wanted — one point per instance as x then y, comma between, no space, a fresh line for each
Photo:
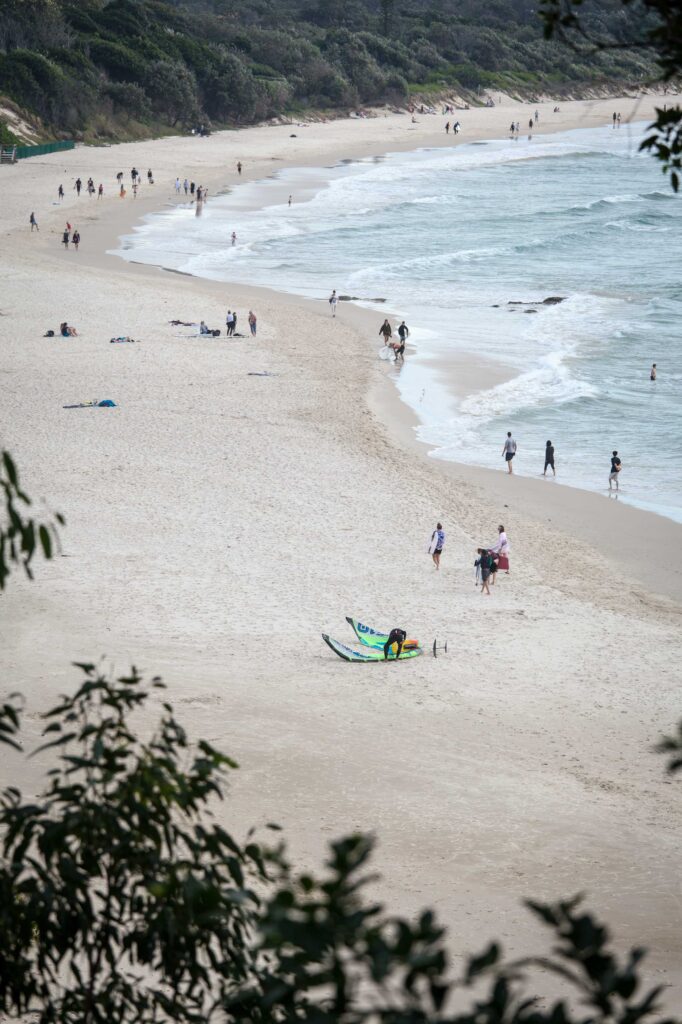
369,653
373,642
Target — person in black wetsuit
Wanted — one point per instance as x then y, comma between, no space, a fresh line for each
396,636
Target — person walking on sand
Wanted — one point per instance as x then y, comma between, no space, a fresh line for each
253,322
616,466
229,323
177,186
76,239
549,459
537,116
239,168
437,544
60,193
386,331
150,177
100,190
530,126
652,375
33,222
77,186
484,563
333,300
501,549
65,238
185,185
509,450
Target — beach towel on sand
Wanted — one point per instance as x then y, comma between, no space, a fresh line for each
106,402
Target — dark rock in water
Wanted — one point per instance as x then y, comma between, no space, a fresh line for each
349,298
496,305
530,311
551,300
377,300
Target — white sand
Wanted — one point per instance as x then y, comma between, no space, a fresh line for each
219,522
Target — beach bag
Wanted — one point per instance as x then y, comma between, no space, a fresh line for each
49,334
216,333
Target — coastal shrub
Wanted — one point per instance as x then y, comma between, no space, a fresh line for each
173,91
128,99
119,861
119,61
332,53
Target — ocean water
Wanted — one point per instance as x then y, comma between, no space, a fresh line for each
448,238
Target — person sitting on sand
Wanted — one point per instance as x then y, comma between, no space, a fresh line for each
66,331
203,329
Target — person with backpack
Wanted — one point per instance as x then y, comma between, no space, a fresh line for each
509,450
333,299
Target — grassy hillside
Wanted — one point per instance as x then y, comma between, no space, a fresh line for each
127,67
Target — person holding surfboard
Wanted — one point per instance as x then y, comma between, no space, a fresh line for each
437,544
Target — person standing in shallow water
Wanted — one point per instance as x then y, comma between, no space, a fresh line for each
509,450
549,459
652,375
616,466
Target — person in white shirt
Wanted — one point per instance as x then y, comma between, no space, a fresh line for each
501,549
333,299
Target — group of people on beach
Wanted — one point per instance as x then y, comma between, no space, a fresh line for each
509,450
489,561
386,331
197,192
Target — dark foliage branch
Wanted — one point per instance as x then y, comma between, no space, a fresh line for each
122,899
21,536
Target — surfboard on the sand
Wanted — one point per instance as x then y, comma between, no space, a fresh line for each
372,637
368,653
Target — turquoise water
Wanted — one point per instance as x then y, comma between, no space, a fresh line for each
445,236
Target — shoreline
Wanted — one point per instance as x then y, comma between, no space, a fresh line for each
469,372
218,521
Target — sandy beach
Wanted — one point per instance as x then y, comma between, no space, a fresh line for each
219,520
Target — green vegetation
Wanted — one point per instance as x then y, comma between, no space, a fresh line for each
129,67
